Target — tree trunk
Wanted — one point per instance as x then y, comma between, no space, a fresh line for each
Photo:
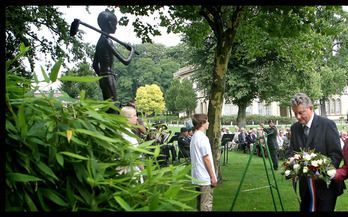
322,107
241,118
222,55
214,112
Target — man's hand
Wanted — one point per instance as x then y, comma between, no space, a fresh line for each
213,182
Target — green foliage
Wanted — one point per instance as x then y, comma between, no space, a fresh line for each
155,65
273,64
150,100
171,95
64,154
81,78
181,97
22,24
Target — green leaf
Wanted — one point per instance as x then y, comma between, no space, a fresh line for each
21,123
77,156
46,79
122,203
82,94
55,70
96,135
41,201
35,78
54,197
86,79
20,177
30,202
10,127
45,169
60,159
23,48
157,151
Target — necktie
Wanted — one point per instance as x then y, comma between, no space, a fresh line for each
305,132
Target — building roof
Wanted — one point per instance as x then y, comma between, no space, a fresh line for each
185,71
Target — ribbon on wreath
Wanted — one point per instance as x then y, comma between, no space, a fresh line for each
313,194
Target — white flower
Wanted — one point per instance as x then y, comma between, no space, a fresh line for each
324,160
287,172
305,169
314,163
307,157
331,173
296,167
291,159
297,156
320,162
313,155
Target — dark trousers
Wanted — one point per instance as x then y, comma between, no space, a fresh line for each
274,157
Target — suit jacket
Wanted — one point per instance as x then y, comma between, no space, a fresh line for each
251,138
241,139
324,138
271,137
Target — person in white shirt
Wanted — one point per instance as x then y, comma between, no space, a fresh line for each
131,114
203,171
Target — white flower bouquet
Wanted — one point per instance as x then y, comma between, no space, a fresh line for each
309,163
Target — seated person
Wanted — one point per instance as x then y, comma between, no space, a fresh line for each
242,143
184,143
250,139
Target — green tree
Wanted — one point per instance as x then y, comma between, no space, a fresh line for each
269,65
150,100
22,24
186,100
73,89
181,97
152,66
171,95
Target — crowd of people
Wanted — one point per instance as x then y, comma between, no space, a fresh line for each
245,139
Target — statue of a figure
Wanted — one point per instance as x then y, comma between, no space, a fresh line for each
104,56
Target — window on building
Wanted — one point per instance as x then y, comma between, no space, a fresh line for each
327,107
332,106
338,107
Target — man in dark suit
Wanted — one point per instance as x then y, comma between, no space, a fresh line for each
242,143
272,143
314,132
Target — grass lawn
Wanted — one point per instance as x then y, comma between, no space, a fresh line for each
261,198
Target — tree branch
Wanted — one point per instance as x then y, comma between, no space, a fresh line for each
206,13
235,21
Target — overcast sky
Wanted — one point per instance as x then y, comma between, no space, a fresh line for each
125,34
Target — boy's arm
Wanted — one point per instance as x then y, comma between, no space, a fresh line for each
208,164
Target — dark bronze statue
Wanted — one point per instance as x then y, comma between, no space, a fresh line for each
105,52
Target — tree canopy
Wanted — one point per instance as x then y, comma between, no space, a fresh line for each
150,100
24,23
181,97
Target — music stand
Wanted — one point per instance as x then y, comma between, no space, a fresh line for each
224,141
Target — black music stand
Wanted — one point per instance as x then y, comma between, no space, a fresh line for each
224,141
